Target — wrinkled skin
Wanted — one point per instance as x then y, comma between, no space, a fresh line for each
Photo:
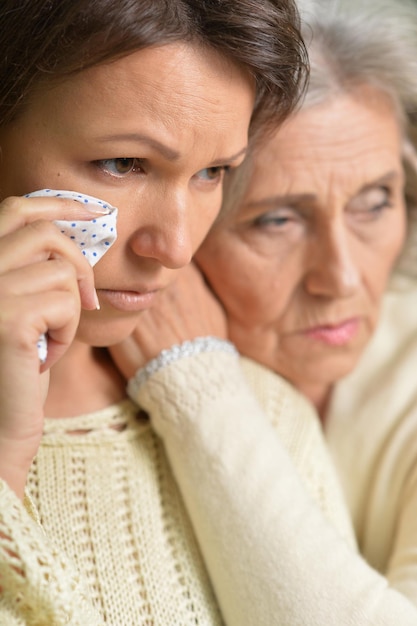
302,264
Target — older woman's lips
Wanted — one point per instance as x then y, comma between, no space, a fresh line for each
127,301
337,335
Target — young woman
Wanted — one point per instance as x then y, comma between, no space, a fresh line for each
144,106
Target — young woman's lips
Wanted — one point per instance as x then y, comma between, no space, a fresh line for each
127,301
335,335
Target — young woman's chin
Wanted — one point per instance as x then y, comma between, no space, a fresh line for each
99,332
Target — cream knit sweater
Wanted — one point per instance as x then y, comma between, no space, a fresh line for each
106,539
372,434
272,555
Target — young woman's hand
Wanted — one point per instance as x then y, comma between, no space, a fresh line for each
185,310
44,282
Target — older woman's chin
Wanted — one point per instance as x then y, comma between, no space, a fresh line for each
313,364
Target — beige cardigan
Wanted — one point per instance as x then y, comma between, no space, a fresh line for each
300,571
113,543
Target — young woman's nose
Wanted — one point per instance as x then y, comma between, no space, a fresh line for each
333,269
166,234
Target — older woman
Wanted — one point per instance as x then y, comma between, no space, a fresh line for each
304,262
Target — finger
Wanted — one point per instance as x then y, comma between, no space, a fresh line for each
17,211
56,274
26,317
41,241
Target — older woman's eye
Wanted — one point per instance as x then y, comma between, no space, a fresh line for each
371,202
379,199
120,166
212,174
276,219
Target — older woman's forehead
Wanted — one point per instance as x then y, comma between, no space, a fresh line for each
344,131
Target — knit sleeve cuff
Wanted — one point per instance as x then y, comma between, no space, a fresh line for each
187,349
187,381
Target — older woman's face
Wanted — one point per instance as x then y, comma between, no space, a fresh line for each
302,266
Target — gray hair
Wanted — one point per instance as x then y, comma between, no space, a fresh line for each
352,43
369,42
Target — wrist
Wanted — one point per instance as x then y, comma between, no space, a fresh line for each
186,349
15,463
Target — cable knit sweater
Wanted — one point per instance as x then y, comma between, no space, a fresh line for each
297,570
105,537
304,571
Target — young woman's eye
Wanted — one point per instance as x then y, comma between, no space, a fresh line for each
212,174
119,167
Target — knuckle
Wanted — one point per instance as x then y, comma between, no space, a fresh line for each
43,227
63,268
11,206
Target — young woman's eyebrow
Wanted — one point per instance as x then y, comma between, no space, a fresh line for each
169,153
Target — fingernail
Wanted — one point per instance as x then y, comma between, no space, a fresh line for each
96,300
97,209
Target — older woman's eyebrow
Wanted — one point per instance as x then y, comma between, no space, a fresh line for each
168,153
305,198
389,177
284,200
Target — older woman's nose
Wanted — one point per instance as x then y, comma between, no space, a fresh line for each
332,266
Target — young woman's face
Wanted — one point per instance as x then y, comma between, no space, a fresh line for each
151,134
303,264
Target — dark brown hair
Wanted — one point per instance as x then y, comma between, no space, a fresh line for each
46,40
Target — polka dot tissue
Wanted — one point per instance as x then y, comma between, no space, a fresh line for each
93,237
